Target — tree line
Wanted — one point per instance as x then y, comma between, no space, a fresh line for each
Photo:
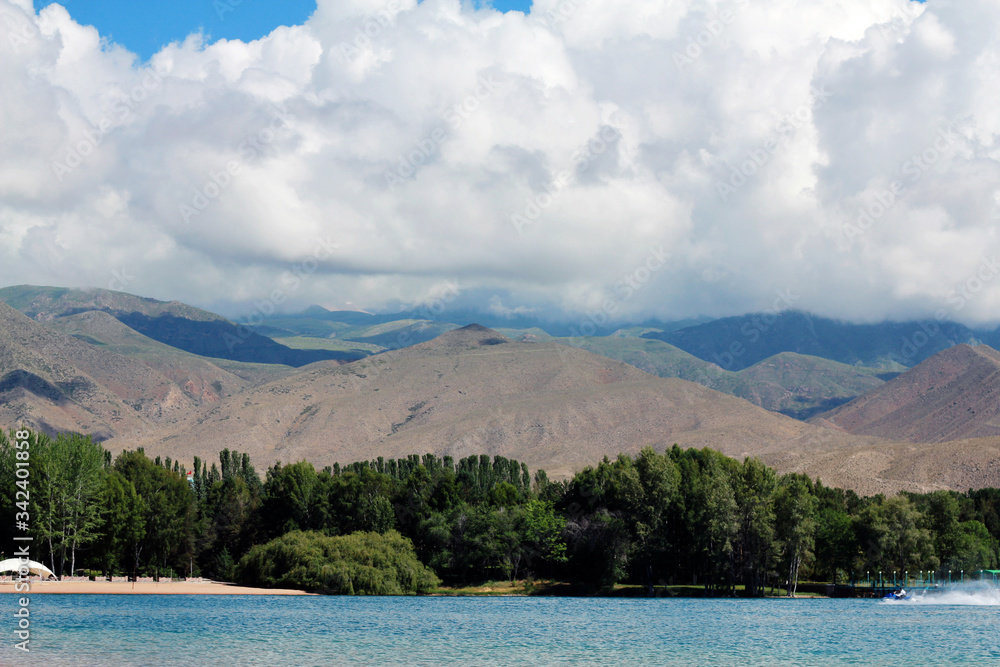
677,517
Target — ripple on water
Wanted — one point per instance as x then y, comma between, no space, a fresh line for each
135,631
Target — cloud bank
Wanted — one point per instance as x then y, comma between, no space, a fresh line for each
653,158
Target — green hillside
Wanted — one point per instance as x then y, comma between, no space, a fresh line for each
333,344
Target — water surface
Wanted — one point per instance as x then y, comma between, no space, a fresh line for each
140,630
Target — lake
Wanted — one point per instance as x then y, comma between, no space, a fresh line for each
105,630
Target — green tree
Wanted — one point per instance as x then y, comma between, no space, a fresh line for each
123,521
972,548
835,543
721,520
499,540
891,530
598,546
651,508
67,478
15,494
169,504
293,499
754,489
600,504
795,509
543,534
360,501
227,522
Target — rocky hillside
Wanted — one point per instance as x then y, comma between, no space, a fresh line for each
471,391
795,385
954,395
56,383
170,322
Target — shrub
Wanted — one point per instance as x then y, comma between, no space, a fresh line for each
355,564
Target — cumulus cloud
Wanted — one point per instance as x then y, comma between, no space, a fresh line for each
653,158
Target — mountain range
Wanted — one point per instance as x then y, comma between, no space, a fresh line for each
72,360
735,343
173,323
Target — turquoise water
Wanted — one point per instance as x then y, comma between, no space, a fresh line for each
133,630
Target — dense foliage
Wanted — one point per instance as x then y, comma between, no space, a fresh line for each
356,564
680,517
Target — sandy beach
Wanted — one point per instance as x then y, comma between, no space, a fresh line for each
144,588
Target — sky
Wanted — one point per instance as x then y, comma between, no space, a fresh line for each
586,160
146,27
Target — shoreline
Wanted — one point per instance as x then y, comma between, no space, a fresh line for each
545,588
493,589
142,588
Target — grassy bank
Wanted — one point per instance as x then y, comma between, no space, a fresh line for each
561,588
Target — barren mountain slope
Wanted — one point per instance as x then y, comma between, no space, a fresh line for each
57,382
177,324
954,395
888,467
473,391
469,391
793,384
201,378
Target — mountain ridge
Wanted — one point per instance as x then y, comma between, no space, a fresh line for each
173,323
735,343
56,382
796,385
954,395
472,390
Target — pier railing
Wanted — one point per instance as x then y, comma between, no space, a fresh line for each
880,584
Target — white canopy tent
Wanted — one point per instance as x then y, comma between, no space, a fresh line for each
34,567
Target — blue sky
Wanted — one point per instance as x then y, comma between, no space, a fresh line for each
144,27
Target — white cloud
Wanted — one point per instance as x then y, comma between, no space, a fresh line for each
540,157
